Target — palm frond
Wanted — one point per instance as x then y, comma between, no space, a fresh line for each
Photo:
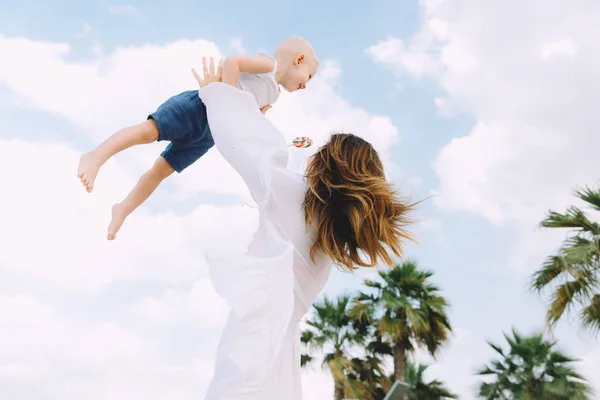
573,218
305,360
590,196
497,348
580,250
564,298
590,315
553,267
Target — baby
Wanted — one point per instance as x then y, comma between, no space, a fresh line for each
182,121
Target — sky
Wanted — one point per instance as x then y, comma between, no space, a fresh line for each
484,109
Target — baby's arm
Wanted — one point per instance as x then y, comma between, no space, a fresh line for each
211,76
252,64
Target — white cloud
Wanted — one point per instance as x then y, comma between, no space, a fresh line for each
317,384
412,59
590,365
532,91
127,84
122,8
564,46
237,46
45,355
319,111
54,231
201,305
35,336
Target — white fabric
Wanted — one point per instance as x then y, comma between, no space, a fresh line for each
274,284
263,87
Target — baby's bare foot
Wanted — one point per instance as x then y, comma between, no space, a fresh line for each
89,165
118,217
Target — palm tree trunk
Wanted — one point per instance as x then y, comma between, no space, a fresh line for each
338,393
400,363
399,352
400,360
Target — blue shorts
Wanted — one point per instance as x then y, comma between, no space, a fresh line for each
182,121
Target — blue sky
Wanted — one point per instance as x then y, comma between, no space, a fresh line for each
481,159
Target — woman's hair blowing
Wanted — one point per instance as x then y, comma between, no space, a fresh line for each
352,206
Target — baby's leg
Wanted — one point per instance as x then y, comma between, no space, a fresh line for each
142,190
90,163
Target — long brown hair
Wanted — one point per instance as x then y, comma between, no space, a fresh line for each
352,206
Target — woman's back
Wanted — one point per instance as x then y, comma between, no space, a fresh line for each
285,210
255,148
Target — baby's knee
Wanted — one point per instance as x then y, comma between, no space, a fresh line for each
149,131
161,168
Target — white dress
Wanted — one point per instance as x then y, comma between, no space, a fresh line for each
274,284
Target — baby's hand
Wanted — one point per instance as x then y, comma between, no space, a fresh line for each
209,75
264,109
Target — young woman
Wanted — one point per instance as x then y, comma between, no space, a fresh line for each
342,212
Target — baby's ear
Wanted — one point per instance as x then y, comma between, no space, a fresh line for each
299,59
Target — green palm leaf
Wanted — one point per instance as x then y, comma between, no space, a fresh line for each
590,315
573,275
590,196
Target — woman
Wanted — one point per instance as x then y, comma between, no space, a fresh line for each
306,224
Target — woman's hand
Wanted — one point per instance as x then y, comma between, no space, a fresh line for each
264,109
210,75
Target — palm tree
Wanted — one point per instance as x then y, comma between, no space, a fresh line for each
405,308
366,378
332,330
574,273
532,369
420,390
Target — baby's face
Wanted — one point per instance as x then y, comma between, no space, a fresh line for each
299,73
